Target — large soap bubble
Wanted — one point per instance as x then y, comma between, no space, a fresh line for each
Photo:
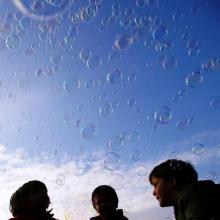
43,9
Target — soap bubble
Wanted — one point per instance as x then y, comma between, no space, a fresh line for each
140,3
2,44
141,170
84,54
169,63
163,46
122,42
183,123
94,62
13,41
134,137
56,59
193,51
117,181
198,149
160,32
114,56
60,180
111,161
106,110
25,22
194,79
135,155
163,115
211,65
131,102
114,77
211,176
177,16
151,3
88,131
215,102
116,143
71,85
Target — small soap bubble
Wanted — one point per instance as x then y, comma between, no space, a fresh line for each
151,3
131,102
140,3
71,85
13,41
182,124
215,102
150,117
94,62
88,131
194,79
56,59
89,84
2,44
163,115
177,16
114,56
84,54
169,63
163,46
111,161
160,32
148,42
134,137
60,180
106,110
211,176
141,170
25,22
129,12
114,77
116,6
116,143
135,155
193,51
122,42
198,149
117,181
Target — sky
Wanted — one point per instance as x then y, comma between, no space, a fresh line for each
100,91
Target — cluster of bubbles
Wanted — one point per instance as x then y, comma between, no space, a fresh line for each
211,65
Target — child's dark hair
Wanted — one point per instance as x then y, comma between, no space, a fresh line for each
183,172
105,189
19,198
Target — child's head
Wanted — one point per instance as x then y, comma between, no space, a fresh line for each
105,200
168,177
30,198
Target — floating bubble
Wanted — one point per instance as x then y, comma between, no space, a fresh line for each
84,54
116,6
140,3
122,42
116,143
86,16
148,42
141,170
25,22
111,161
88,131
177,16
160,32
193,51
89,84
60,180
47,10
215,102
114,77
114,56
163,115
72,31
191,120
135,155
150,117
129,12
131,102
192,43
198,149
163,46
13,41
134,137
131,77
114,104
2,44
5,29
213,64
211,176
194,79
151,3
106,110
169,63
183,123
71,85
117,181
56,59
94,62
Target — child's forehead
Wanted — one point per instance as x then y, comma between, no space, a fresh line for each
103,195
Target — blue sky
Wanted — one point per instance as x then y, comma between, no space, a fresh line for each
100,91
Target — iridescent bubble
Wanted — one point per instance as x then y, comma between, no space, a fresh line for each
84,54
169,63
88,131
117,181
177,16
111,161
106,110
13,41
194,79
183,123
140,3
160,32
94,62
116,143
211,176
215,102
25,22
131,102
122,42
198,149
71,85
134,137
141,170
163,115
163,46
115,76
135,155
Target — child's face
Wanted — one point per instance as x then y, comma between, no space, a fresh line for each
163,190
104,204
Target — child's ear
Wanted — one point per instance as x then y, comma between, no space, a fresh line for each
172,182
